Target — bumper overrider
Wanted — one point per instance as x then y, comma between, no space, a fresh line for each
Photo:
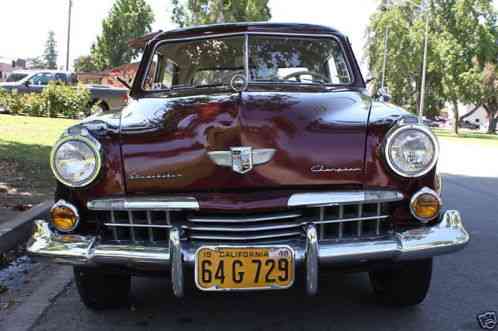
447,236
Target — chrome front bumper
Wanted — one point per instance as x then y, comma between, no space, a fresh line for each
445,237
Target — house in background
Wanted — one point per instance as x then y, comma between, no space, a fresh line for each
7,66
471,114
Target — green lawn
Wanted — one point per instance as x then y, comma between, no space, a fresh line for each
25,144
467,136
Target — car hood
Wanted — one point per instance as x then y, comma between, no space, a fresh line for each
318,139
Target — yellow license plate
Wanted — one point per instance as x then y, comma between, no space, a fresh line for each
244,268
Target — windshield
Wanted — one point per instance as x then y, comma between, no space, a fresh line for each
15,77
271,59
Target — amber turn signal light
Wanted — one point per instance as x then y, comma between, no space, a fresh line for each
425,205
64,216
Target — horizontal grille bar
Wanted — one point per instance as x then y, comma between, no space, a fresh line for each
355,219
244,237
244,218
249,228
152,226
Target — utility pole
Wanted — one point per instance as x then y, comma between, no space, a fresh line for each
424,65
386,37
68,33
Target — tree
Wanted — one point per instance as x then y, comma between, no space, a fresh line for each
465,35
127,19
35,63
50,53
84,64
460,30
199,12
405,26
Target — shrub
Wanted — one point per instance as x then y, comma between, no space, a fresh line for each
54,101
66,101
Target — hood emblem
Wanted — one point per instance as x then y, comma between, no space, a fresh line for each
242,159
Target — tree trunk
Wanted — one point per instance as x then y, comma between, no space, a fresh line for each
456,116
492,125
491,110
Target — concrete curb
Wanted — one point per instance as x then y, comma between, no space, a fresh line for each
18,229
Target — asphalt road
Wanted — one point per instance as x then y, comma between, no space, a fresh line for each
464,284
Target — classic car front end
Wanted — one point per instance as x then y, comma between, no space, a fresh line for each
251,158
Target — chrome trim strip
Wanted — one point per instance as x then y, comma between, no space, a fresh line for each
175,253
150,226
311,256
235,238
317,199
245,219
156,204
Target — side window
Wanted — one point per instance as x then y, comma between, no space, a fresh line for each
339,73
60,77
42,79
161,72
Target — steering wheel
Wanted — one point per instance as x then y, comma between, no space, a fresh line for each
298,75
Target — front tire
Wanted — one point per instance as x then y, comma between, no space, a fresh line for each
403,284
100,290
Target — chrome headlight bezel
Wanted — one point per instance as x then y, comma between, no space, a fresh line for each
83,137
393,133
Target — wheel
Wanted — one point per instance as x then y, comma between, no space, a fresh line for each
403,284
100,290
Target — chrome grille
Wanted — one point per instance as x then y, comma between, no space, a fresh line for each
244,227
338,222
136,226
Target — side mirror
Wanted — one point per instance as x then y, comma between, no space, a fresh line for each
383,95
369,80
26,83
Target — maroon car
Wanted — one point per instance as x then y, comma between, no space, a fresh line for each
251,158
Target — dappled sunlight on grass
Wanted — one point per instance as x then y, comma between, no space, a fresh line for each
25,144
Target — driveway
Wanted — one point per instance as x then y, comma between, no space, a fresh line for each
464,284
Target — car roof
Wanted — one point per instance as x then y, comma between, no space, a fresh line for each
212,29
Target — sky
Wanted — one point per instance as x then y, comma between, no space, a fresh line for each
24,32
24,24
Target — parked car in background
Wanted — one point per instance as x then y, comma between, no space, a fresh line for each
103,97
18,75
252,157
431,123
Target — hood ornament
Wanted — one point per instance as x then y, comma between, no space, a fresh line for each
242,159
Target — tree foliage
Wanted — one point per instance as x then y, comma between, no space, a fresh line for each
127,19
199,12
462,33
84,64
50,52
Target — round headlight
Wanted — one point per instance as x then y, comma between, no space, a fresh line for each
76,161
411,150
